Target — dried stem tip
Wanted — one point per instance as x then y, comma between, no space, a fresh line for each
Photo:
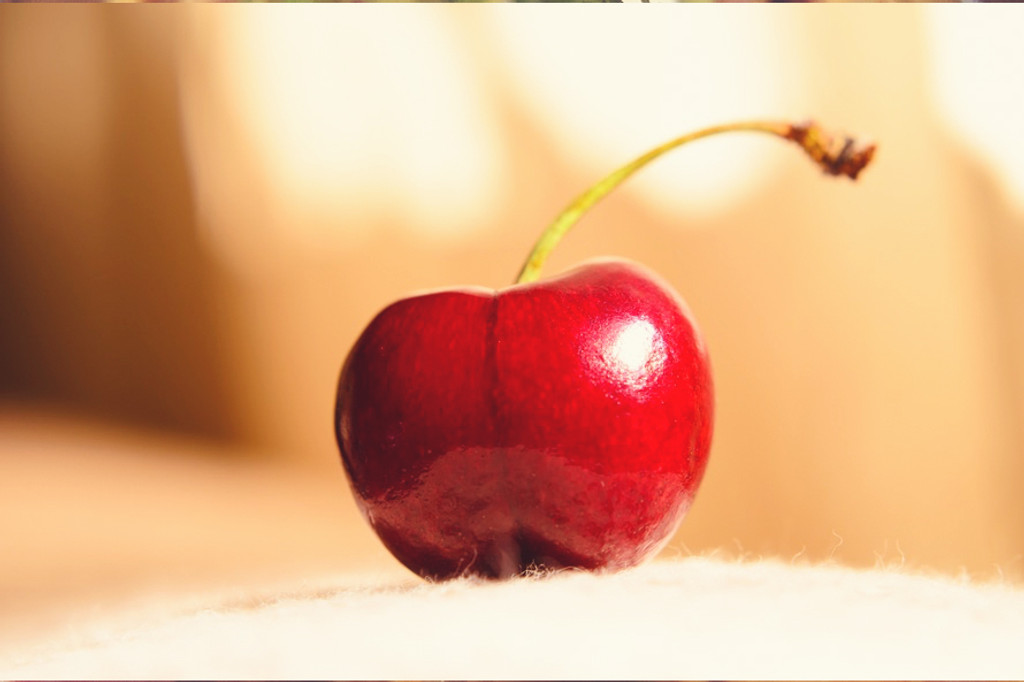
836,155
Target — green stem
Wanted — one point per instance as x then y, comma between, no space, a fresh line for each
837,157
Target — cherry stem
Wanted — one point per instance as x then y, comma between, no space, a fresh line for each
834,155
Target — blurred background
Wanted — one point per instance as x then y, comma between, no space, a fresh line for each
201,207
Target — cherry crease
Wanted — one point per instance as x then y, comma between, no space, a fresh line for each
560,423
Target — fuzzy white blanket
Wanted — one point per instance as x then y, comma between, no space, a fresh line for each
689,618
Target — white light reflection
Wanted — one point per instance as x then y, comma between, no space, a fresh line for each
634,355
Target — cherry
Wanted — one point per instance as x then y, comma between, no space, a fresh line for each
555,423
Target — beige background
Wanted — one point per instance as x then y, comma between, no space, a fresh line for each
201,208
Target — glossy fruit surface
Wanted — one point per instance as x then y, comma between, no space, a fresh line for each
560,423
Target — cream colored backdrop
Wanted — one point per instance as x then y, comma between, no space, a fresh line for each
202,208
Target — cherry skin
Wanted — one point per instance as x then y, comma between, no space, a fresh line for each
560,423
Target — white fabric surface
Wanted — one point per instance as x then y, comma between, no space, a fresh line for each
690,618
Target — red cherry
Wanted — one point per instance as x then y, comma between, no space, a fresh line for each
556,423
561,423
